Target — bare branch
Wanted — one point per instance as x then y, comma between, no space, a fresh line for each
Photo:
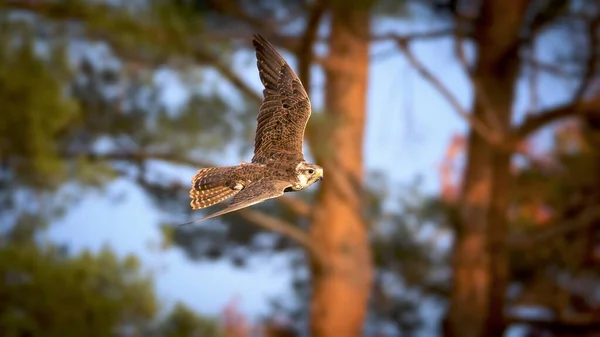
552,69
545,16
405,38
532,81
304,52
295,204
586,219
459,48
577,107
138,157
484,131
286,229
295,42
532,123
205,56
460,53
574,325
269,28
591,63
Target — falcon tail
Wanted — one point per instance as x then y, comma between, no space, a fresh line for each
209,187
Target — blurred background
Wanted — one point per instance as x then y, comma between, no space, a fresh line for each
460,140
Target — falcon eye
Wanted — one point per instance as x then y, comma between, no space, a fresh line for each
311,171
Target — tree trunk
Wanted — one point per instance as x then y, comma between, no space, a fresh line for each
340,290
479,258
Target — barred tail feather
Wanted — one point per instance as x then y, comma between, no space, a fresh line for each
202,201
209,187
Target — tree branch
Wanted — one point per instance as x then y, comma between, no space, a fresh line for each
568,325
286,229
138,157
547,67
484,131
592,60
297,205
585,220
577,107
545,16
459,48
532,81
205,56
304,52
268,27
405,38
533,123
294,42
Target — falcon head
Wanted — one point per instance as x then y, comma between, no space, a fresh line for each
308,174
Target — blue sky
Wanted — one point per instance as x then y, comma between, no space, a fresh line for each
408,128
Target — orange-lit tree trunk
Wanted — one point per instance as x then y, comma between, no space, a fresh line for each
479,258
340,290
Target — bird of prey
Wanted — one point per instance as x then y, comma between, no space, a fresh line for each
278,165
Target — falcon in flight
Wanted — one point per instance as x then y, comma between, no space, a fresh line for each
278,165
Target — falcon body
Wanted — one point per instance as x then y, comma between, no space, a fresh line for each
278,164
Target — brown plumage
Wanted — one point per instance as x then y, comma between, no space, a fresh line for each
286,108
278,163
208,189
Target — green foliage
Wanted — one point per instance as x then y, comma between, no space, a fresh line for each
392,9
45,292
156,30
183,322
35,111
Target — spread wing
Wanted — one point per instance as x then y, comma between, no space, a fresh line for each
285,109
253,194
